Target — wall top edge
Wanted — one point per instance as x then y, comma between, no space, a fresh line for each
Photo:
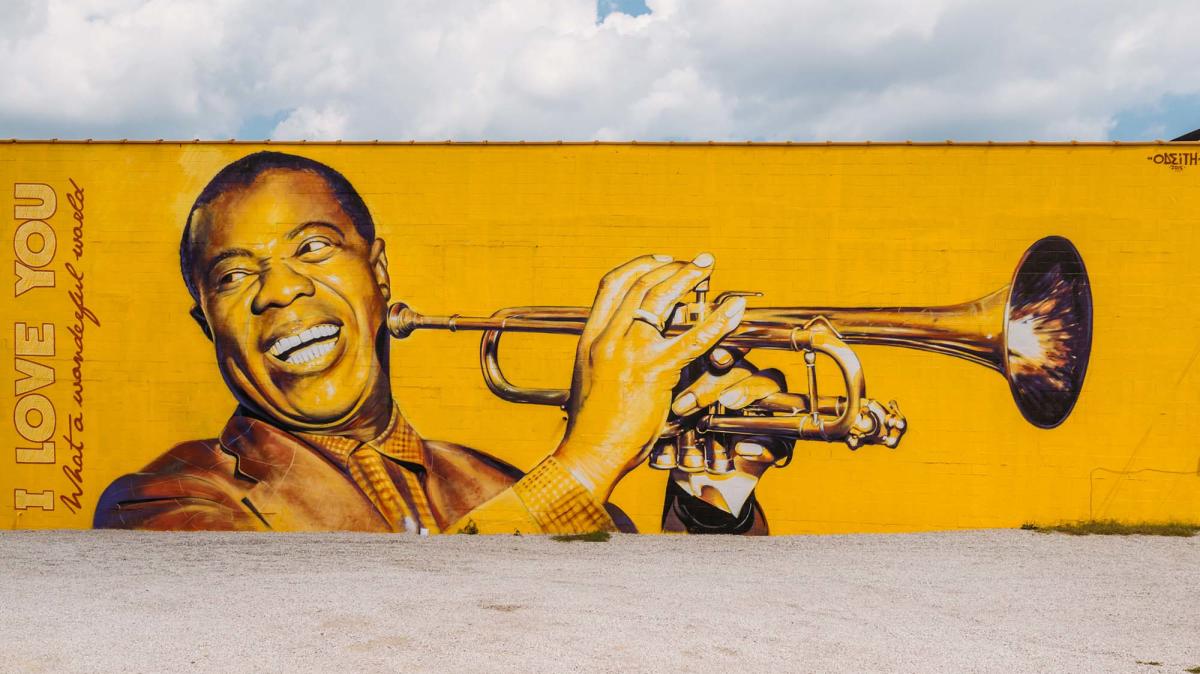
522,143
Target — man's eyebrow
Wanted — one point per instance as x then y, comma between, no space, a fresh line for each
315,223
225,255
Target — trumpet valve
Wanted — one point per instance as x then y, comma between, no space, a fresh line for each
717,460
664,457
691,459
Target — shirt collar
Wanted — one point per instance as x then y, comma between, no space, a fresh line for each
398,441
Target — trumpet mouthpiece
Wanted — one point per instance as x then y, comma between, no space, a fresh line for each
401,320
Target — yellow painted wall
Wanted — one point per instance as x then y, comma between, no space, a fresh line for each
473,228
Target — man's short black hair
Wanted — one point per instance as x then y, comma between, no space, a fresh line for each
244,171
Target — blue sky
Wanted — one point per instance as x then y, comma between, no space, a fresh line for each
1167,117
804,70
630,7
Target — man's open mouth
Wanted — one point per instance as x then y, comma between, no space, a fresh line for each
306,345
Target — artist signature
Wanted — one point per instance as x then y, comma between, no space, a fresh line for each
1175,160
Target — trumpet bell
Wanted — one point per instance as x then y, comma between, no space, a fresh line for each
1048,331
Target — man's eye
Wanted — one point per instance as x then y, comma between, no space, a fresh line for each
233,277
314,249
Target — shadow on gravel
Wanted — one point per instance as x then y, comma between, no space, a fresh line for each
590,537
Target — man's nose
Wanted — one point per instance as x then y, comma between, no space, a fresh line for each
280,285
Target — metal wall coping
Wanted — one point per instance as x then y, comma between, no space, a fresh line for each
631,143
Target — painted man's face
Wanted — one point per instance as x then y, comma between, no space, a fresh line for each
294,299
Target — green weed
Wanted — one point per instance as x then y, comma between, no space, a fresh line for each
1115,528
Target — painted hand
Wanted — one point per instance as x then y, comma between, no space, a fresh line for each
739,387
626,369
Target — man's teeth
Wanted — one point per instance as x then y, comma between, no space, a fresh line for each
317,332
310,352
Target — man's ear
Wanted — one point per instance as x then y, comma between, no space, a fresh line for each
379,269
198,316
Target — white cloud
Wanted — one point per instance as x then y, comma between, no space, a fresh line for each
544,69
305,122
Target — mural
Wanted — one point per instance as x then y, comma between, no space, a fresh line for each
682,396
290,283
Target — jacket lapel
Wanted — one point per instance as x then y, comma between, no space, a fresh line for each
295,488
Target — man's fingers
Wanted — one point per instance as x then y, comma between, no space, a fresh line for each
704,391
614,286
662,298
763,450
704,335
724,357
735,390
622,317
750,390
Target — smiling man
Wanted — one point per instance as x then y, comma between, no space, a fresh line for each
291,285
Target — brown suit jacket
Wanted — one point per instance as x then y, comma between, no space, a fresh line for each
259,477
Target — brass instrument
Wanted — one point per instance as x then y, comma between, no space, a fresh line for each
1036,331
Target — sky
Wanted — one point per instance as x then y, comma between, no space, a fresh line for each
760,70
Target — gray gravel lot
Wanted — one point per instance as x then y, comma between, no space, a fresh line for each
978,601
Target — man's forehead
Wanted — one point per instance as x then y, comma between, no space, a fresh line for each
273,204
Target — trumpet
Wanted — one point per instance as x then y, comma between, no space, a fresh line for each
1036,332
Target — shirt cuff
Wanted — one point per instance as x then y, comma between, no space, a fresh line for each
559,503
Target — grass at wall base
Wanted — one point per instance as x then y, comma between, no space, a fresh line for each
1115,528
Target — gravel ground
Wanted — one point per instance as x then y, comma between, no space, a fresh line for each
980,601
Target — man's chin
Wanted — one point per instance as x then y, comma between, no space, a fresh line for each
293,404
309,419
335,398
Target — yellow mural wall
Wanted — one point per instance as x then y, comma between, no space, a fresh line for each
473,228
